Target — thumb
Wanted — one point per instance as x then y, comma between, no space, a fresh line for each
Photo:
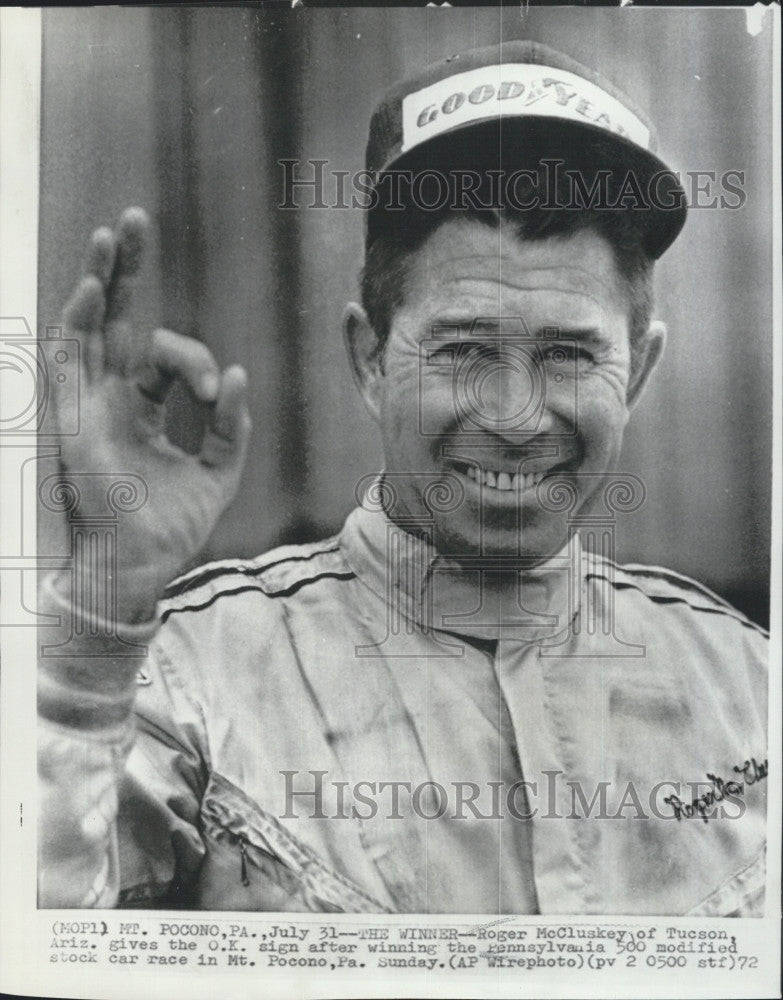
229,425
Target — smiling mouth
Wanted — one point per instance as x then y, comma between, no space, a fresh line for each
506,482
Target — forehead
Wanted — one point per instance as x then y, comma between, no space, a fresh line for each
467,267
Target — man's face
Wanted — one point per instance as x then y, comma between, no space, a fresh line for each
537,389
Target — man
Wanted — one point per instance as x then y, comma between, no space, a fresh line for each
459,703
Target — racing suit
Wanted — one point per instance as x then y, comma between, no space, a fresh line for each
360,725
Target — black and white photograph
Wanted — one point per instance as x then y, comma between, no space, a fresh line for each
391,445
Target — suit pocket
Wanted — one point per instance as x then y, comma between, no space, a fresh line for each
264,867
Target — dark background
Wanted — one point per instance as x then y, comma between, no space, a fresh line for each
187,111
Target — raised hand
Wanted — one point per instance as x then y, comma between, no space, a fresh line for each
126,375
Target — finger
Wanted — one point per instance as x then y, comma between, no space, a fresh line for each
130,242
228,429
101,254
169,356
83,320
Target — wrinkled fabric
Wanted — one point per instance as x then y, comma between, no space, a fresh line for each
369,659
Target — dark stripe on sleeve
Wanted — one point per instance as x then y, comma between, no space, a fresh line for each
722,608
176,590
286,592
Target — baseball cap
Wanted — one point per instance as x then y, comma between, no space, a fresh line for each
514,105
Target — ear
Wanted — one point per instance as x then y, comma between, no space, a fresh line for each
647,355
365,355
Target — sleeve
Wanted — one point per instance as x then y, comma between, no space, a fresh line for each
121,774
158,822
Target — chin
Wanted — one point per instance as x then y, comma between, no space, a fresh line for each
533,546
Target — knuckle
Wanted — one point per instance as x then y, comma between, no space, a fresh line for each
167,344
171,348
86,296
161,338
201,353
198,359
89,286
135,215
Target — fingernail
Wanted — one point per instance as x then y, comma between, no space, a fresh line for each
209,385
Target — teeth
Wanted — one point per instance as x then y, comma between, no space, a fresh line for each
504,481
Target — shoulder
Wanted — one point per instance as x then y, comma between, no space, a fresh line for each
661,587
227,616
220,623
280,573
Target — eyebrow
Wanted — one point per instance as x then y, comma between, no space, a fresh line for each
465,329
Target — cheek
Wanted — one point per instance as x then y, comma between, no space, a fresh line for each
602,416
400,414
411,393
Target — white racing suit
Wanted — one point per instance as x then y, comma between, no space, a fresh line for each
359,726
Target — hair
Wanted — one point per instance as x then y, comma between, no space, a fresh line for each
390,254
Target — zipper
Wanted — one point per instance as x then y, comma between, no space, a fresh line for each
243,863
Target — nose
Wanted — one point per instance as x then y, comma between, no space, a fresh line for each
504,392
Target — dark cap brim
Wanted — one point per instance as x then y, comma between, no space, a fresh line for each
509,144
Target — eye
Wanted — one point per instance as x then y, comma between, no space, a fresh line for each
461,350
567,353
443,353
476,349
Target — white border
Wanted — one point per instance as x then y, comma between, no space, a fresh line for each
20,92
